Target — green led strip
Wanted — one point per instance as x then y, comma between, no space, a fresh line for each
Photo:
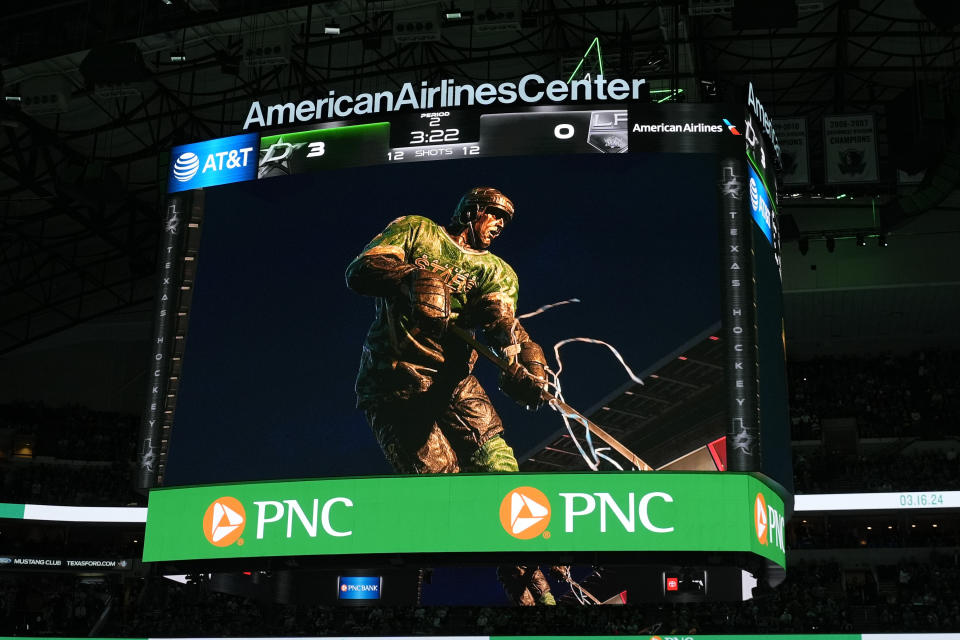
595,43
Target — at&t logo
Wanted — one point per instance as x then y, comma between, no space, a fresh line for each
525,513
211,163
224,521
186,166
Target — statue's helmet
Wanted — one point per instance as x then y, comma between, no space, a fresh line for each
481,199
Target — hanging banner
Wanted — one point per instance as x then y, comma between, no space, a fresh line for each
794,150
850,149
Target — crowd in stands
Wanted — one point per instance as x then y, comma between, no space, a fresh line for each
53,604
890,396
67,540
70,432
64,484
839,532
66,456
934,470
815,598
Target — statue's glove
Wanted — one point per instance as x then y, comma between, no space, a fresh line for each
429,299
526,380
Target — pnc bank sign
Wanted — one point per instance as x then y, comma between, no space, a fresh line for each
467,513
525,512
767,523
225,519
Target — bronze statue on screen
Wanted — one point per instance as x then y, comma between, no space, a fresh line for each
415,385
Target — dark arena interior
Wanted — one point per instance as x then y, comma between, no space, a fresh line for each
267,369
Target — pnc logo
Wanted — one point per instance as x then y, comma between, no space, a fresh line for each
224,521
525,513
760,521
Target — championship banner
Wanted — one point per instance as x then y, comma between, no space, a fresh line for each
850,149
550,512
794,150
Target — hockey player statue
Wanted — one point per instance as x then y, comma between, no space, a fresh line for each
415,384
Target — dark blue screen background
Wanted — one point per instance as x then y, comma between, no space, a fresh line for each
275,335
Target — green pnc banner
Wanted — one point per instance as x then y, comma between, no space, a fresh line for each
545,512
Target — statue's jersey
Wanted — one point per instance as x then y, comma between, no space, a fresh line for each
397,360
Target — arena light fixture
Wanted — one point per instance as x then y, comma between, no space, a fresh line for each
861,240
673,94
331,29
882,240
594,44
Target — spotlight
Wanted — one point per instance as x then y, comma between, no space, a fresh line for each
331,29
831,244
804,245
882,240
861,240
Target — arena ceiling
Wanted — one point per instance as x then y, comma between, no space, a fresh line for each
85,123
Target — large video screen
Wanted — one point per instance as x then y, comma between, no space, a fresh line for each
465,332
626,245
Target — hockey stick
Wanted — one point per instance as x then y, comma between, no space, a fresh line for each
552,400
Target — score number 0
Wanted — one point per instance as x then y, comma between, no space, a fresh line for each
563,131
